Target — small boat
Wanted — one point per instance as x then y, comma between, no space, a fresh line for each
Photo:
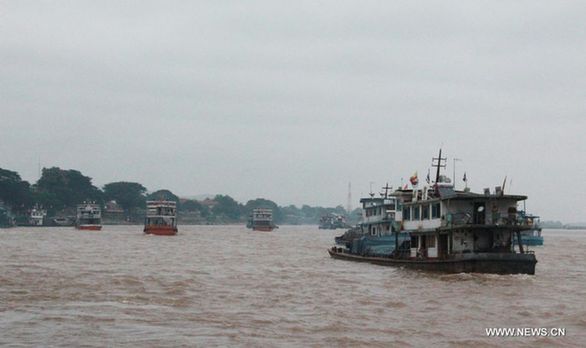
261,219
62,221
89,217
161,218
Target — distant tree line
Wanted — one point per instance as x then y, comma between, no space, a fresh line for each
59,191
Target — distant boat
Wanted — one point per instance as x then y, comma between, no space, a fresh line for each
332,221
261,219
63,221
89,217
37,216
161,218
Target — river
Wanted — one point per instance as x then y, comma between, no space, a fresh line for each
229,286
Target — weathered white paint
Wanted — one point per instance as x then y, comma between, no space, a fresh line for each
422,224
431,252
462,241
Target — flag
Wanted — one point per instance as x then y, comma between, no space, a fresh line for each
413,179
464,178
427,179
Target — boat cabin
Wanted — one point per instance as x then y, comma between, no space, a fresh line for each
442,221
89,213
262,216
161,213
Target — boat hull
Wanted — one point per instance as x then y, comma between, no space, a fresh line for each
530,240
160,230
467,263
263,228
89,227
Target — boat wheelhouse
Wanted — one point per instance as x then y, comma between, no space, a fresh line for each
378,215
161,218
89,217
261,219
456,231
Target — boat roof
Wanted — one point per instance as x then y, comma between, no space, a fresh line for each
163,203
376,199
447,193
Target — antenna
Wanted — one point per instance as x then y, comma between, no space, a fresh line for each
454,174
386,188
371,193
438,164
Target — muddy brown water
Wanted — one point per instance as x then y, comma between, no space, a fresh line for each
229,286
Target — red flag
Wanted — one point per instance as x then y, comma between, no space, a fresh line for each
414,180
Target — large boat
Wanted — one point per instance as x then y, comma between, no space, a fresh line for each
89,217
332,221
453,231
261,219
161,218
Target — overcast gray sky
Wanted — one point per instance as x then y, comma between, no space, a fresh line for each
291,100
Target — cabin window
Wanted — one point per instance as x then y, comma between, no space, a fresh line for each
425,212
431,241
416,213
435,210
406,213
414,241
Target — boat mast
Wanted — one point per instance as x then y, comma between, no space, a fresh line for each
438,165
387,188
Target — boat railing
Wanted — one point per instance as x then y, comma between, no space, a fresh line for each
459,218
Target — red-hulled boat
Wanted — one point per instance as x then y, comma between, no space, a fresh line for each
89,217
161,218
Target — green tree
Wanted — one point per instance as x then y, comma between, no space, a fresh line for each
59,189
14,191
227,206
163,195
130,195
193,205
